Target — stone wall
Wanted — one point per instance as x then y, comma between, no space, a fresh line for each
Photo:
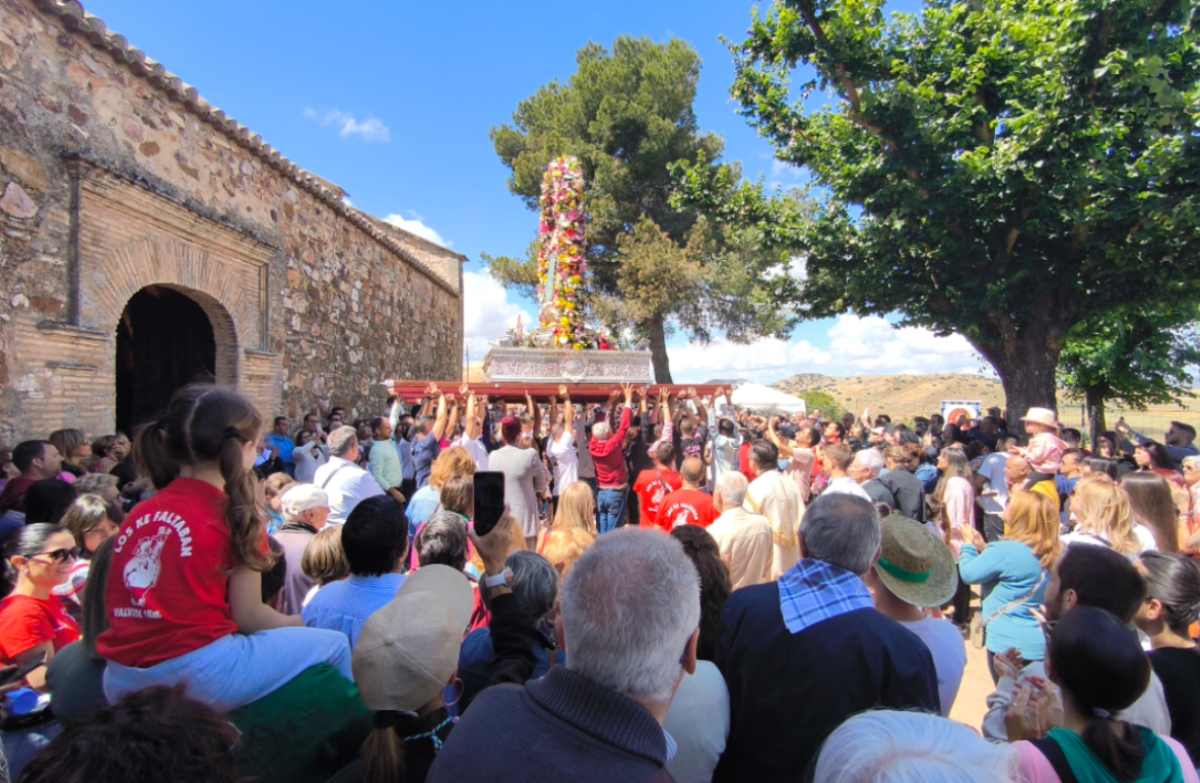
114,175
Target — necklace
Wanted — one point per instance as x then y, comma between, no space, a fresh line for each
432,734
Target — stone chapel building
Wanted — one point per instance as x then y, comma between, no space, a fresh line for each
147,239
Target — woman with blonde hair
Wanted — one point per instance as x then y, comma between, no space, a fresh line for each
451,463
324,560
1152,506
1102,516
576,510
1018,569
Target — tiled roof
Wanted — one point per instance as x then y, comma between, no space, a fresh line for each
93,29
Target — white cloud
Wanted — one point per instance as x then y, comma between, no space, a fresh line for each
368,128
857,346
414,225
763,360
488,313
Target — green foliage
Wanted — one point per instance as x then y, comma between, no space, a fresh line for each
1001,168
627,115
1135,357
823,401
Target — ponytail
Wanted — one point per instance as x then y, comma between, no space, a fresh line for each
1117,744
206,423
383,756
152,455
245,522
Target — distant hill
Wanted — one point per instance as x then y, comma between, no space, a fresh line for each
899,396
904,396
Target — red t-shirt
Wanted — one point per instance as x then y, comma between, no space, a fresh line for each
745,466
27,622
168,587
652,487
686,507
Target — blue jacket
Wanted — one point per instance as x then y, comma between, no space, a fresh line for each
1016,574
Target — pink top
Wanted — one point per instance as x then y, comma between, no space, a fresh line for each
1044,452
959,502
1036,769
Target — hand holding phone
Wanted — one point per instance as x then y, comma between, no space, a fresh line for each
489,501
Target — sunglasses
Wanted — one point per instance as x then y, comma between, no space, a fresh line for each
60,555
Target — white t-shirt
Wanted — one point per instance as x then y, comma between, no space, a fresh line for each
699,722
846,486
566,462
308,459
949,653
992,469
1145,538
476,449
347,485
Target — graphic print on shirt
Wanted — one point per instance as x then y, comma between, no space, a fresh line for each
142,570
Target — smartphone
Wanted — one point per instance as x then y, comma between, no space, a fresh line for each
489,500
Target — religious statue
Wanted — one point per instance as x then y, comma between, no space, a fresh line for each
562,265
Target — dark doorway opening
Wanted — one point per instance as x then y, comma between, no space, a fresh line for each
164,341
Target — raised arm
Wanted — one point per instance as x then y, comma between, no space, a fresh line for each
439,423
568,410
471,425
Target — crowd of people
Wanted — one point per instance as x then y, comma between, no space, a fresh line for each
676,590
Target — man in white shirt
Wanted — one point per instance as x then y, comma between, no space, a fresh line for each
342,479
836,459
916,572
473,429
744,539
776,497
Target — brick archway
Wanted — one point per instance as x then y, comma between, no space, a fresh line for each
231,305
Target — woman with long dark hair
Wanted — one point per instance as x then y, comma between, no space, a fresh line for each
1100,668
185,595
1172,604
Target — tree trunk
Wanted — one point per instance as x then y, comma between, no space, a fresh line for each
1095,415
656,330
1026,363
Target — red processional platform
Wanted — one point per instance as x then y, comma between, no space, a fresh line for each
509,391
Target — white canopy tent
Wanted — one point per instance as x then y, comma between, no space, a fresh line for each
764,399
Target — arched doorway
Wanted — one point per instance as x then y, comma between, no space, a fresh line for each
165,340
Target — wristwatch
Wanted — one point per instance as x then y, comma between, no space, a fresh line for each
502,579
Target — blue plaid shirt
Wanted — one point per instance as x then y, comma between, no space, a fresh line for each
815,590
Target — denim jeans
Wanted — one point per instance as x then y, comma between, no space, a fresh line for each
237,669
610,509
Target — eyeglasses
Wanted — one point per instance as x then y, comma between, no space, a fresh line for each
66,555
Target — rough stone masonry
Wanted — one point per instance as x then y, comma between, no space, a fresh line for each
115,176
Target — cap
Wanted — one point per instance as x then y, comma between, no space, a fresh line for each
302,497
409,649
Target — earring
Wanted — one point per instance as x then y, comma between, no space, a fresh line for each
457,680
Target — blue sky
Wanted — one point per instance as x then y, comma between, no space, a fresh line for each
394,101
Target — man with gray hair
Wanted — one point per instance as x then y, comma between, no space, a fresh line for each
629,624
343,480
744,538
865,470
803,654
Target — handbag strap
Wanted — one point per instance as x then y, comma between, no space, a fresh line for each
1012,605
329,478
1054,754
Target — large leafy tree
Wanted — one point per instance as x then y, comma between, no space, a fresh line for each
1006,169
627,115
1134,356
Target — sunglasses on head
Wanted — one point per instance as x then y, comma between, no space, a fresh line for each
64,555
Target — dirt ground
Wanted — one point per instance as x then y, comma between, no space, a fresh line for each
971,704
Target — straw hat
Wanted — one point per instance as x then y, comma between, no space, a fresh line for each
1043,416
914,564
